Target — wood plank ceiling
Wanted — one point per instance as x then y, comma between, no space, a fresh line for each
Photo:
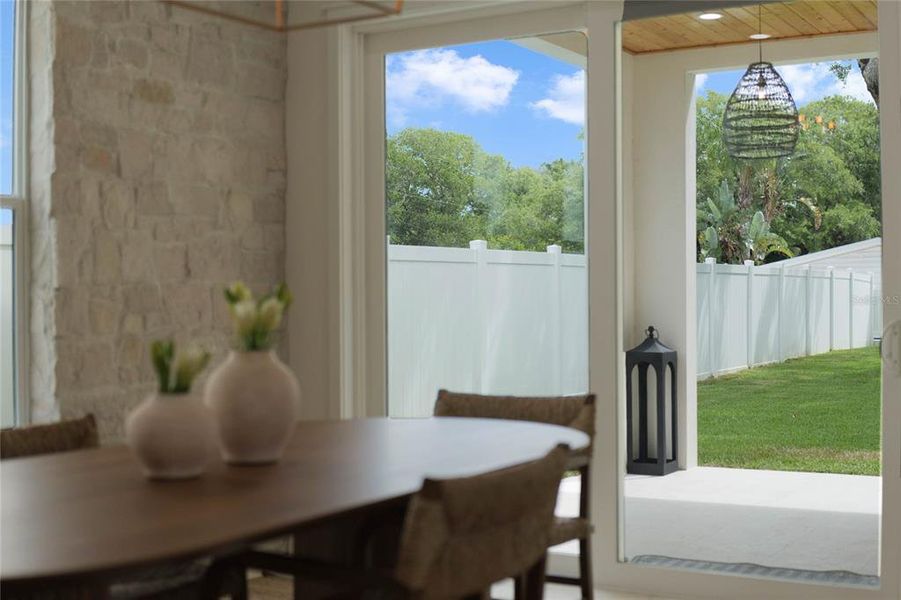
782,20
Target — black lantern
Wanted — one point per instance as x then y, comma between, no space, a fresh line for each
663,458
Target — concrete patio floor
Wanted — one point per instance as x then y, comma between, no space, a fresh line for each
810,521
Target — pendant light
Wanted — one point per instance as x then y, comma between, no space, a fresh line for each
761,119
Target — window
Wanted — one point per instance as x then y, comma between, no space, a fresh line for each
12,215
485,209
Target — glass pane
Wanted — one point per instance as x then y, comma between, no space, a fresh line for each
7,62
485,208
7,332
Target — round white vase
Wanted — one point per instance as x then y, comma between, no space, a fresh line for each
254,397
173,435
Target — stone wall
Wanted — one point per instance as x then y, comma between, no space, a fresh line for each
160,178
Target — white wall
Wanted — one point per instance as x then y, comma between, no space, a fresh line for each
311,244
7,364
663,182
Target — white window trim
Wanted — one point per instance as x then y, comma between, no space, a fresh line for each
17,203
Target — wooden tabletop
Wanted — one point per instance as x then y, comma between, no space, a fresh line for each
92,512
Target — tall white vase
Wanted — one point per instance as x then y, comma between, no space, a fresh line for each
173,435
253,395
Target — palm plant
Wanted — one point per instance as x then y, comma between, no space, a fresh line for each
761,242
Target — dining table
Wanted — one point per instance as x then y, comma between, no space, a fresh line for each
92,515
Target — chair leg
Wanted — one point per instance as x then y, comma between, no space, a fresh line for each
225,577
534,580
586,580
519,587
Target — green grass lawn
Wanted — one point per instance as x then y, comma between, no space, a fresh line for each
818,413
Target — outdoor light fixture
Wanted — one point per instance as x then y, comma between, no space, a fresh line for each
760,36
656,451
710,16
761,119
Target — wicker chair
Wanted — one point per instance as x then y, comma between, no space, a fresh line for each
65,436
577,412
458,537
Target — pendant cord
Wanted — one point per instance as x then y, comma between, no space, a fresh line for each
759,31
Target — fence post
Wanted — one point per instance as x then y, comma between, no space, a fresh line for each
808,329
480,251
831,307
557,316
711,366
871,329
749,321
779,316
850,308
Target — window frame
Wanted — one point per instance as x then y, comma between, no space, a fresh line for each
18,205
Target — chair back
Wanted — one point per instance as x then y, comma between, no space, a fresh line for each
569,411
75,434
462,535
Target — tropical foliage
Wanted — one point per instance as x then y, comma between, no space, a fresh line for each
827,194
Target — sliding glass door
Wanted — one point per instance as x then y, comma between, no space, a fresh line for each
499,166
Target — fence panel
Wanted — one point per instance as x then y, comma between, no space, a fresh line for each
493,321
486,321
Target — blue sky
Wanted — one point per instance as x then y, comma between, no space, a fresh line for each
807,82
527,106
7,20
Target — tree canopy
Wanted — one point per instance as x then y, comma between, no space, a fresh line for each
443,189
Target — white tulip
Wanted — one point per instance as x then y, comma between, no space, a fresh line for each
271,314
245,315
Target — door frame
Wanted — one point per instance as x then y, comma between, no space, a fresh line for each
362,253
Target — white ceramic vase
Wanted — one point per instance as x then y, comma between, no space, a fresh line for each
173,435
254,397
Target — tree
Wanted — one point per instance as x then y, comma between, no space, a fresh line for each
854,139
847,223
431,188
714,165
443,189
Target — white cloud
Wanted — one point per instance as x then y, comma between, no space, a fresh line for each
803,80
433,77
854,86
815,81
565,99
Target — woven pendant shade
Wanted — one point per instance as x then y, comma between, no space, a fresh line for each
761,119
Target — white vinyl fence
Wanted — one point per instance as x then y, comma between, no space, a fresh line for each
751,315
486,321
7,406
505,322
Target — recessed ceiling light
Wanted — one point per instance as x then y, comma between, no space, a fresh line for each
760,36
710,16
